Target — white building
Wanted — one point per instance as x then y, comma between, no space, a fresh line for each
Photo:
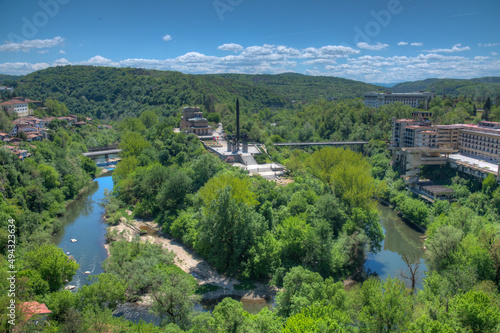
414,99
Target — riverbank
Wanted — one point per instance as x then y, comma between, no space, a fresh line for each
188,261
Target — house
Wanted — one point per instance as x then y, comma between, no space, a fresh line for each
18,106
34,311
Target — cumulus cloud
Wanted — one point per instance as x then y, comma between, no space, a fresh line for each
417,44
334,60
62,52
329,51
494,53
455,48
402,43
167,38
27,45
376,47
21,68
230,47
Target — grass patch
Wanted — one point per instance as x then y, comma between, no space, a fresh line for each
245,285
205,288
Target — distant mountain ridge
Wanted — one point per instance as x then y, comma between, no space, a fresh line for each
486,86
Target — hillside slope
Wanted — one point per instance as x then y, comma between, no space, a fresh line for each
488,86
305,88
107,92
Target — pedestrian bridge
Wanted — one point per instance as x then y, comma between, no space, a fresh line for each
102,152
331,143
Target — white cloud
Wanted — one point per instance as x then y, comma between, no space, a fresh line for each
333,60
62,52
417,44
21,68
488,44
329,51
494,53
402,43
376,47
455,48
167,38
42,51
27,45
230,47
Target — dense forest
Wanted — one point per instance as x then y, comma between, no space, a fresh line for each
111,93
474,88
305,88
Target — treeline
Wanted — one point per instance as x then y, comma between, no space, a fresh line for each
305,88
112,93
477,89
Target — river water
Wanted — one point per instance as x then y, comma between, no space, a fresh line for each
83,221
400,239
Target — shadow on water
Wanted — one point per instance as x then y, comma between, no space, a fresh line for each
400,239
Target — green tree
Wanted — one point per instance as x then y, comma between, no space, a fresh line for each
53,265
301,288
89,166
173,294
149,118
50,176
132,144
233,226
103,290
385,307
476,312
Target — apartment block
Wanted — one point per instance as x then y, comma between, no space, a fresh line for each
414,99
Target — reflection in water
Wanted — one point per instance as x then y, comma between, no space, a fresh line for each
83,221
400,239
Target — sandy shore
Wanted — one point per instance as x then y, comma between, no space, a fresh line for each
189,262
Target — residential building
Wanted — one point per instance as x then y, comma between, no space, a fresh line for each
474,149
192,121
414,99
18,107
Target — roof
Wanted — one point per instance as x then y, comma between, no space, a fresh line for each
13,102
32,308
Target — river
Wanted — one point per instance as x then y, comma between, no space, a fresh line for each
400,239
83,221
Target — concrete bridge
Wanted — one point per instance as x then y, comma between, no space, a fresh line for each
332,143
102,152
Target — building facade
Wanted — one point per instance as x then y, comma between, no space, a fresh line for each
192,121
18,107
414,99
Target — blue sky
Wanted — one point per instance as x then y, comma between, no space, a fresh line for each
370,41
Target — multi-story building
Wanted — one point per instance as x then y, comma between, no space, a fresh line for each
18,106
192,121
474,149
414,99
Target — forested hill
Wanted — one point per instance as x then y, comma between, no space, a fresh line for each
106,92
487,86
8,78
305,88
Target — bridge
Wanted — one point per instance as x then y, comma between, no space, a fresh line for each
102,152
332,143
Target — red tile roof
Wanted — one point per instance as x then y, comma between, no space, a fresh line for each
31,308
